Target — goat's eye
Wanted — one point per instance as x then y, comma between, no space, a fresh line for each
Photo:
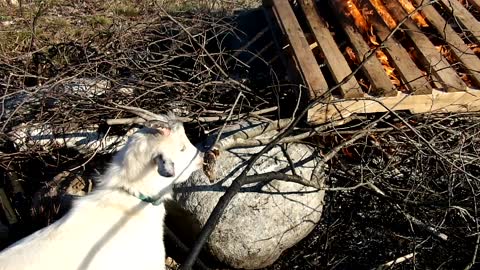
183,148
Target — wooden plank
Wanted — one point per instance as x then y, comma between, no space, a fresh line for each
293,69
276,32
427,52
463,53
373,69
437,102
465,18
411,75
303,55
336,63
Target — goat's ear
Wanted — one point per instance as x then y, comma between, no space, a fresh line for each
165,167
162,127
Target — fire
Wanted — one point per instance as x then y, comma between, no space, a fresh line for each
466,78
388,68
475,48
373,37
446,52
382,10
352,55
362,24
417,17
358,19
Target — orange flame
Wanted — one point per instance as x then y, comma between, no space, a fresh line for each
352,55
372,37
446,52
382,10
358,19
417,17
475,48
388,68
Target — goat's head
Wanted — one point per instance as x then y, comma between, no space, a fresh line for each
157,156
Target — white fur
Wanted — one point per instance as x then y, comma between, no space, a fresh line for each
112,229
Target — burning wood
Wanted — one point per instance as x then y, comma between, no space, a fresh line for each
388,68
475,48
354,12
389,65
417,17
352,55
383,12
446,52
360,18
466,78
372,37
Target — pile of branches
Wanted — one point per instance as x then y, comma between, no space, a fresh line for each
67,106
169,64
405,196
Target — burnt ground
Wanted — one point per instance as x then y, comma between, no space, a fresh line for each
423,170
428,197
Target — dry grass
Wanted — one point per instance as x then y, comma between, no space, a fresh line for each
37,24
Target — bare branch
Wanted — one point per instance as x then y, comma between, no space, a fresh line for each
388,265
205,119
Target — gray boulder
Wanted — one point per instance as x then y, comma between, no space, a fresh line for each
264,219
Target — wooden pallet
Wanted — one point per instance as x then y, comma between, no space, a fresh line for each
429,81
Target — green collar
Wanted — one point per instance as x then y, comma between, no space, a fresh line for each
148,199
144,198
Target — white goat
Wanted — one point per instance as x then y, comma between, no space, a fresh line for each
120,225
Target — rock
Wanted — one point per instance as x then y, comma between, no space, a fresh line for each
262,220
